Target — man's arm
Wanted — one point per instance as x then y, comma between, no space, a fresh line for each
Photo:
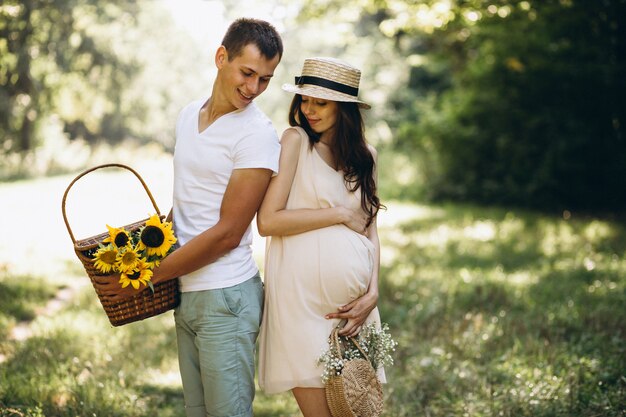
244,193
242,198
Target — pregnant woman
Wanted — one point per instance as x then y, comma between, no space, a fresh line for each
322,260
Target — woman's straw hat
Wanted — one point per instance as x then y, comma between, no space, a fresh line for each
328,79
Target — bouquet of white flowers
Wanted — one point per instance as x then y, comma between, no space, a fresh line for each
375,341
351,384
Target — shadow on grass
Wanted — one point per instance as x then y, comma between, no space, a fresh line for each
506,313
77,364
20,296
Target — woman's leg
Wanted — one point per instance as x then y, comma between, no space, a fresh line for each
312,402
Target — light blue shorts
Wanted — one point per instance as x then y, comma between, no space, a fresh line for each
216,332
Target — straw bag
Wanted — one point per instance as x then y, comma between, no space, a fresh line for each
142,305
356,392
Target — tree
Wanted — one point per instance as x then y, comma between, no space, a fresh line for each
534,115
51,58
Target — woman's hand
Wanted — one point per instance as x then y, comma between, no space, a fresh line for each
110,289
355,219
356,312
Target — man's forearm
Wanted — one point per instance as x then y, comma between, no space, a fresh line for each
197,253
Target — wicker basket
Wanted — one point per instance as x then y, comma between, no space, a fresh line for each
356,392
142,305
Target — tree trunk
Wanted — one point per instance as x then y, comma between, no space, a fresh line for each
25,82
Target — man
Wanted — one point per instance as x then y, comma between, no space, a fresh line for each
226,152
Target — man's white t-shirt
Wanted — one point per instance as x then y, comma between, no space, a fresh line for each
203,163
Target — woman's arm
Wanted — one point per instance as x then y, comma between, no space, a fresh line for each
357,311
273,219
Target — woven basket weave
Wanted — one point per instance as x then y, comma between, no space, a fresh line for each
356,392
142,305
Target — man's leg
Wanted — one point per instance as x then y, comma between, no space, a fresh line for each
188,360
226,327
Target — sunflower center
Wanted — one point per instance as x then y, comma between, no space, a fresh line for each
134,275
109,257
129,258
121,239
152,236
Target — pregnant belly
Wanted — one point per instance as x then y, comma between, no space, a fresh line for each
329,267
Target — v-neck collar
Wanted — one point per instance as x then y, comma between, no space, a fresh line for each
324,161
234,112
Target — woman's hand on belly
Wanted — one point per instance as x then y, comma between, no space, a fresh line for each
354,219
355,312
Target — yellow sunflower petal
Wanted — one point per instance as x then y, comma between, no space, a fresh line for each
105,258
128,260
156,238
118,237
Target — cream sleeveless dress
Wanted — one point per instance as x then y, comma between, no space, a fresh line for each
307,276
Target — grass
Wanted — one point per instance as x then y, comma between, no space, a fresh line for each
503,313
497,312
19,298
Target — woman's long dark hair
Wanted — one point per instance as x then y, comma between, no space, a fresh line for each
349,151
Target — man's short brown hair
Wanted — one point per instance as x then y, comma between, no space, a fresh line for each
245,31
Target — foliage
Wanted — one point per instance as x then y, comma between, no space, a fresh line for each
98,70
533,116
54,62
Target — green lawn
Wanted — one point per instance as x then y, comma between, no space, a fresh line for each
497,312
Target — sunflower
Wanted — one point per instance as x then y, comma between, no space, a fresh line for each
117,236
105,258
156,238
153,261
127,260
141,275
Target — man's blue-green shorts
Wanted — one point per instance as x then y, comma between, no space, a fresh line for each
216,332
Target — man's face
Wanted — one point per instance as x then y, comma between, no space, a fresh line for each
246,76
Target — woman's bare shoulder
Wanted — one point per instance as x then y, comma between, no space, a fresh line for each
292,135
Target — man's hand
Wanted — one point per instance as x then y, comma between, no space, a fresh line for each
110,289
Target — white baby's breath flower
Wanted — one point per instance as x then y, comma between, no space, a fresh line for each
375,342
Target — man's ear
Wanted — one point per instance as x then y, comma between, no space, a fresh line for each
221,56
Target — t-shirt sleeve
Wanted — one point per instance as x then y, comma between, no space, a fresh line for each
258,149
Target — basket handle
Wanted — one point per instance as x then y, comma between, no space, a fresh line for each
145,187
334,336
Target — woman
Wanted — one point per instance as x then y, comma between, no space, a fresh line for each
322,260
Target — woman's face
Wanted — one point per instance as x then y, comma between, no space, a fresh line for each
321,114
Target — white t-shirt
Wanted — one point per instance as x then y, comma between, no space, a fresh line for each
203,163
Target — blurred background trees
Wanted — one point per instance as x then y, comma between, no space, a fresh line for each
54,64
515,102
501,101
